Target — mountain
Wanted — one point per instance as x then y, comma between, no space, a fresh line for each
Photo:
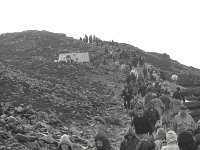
82,95
28,68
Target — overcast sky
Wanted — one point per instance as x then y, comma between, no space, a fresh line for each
164,26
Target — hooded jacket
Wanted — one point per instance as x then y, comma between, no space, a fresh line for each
171,141
65,140
129,144
102,137
161,136
153,115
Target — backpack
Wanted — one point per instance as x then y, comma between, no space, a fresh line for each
161,144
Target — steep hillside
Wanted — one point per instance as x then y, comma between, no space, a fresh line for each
79,94
28,69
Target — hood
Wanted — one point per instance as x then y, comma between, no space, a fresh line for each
171,137
161,134
102,137
65,140
130,132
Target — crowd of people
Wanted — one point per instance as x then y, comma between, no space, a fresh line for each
159,118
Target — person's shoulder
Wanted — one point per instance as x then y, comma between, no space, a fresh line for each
190,116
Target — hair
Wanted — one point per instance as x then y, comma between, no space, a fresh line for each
178,88
60,147
146,145
139,108
185,141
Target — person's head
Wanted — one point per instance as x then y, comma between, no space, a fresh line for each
151,106
161,134
101,140
183,110
130,134
178,89
185,141
140,111
65,143
171,137
99,143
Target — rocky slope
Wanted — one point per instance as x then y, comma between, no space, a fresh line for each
82,96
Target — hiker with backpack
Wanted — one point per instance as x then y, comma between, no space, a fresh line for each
127,96
178,95
142,89
160,139
130,140
152,114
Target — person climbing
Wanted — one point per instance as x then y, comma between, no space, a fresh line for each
102,142
183,121
178,94
160,139
65,143
131,78
142,124
130,140
148,97
166,118
145,72
142,89
162,75
150,87
126,95
158,105
172,144
166,91
175,107
152,114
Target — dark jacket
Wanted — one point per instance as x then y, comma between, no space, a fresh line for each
131,78
126,95
166,101
106,144
153,115
178,95
126,144
142,90
142,125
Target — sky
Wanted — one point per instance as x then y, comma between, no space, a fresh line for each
163,26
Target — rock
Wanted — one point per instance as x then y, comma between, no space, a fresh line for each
2,147
74,131
24,138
